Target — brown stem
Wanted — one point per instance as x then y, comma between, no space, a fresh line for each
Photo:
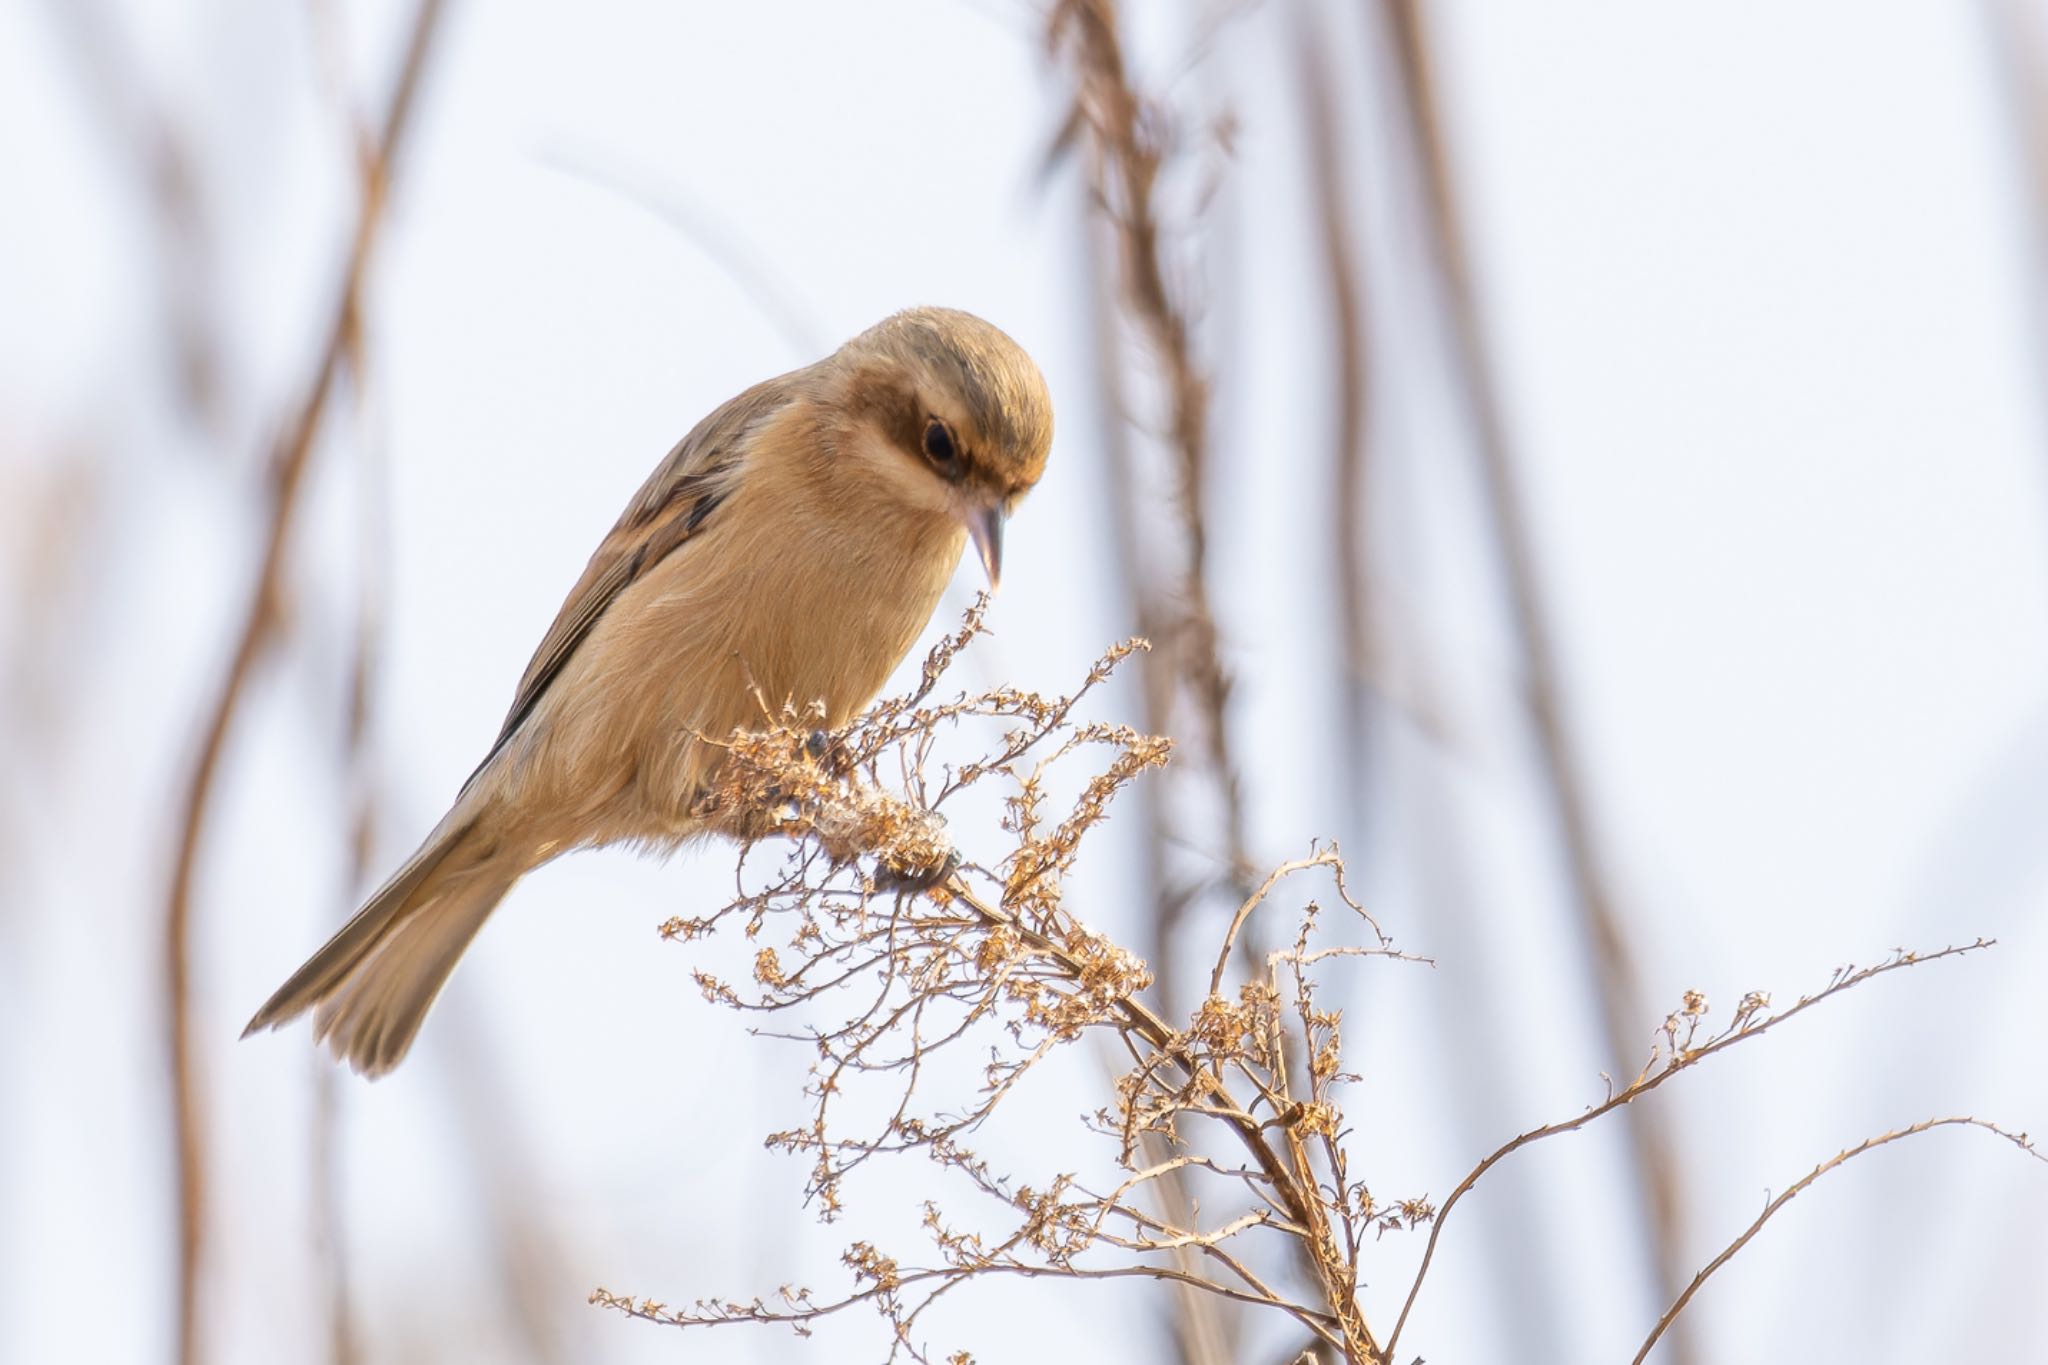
147,133
1794,1190
285,474
1683,1057
2015,49
1188,632
1125,161
1350,451
1506,506
1294,1182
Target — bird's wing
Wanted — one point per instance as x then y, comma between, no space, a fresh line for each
674,503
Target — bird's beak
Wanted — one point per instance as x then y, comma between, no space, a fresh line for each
985,524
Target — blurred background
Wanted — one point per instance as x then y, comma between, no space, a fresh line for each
1587,459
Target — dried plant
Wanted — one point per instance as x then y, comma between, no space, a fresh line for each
284,479
1561,768
901,959
1125,139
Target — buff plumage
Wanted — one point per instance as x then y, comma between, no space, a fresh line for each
789,551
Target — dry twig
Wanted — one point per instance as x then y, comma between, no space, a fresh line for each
991,955
285,475
148,135
1615,974
1798,1186
1126,139
930,989
1679,1047
1350,451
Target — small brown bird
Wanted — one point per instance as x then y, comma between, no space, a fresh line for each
789,550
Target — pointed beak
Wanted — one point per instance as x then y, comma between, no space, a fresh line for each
985,524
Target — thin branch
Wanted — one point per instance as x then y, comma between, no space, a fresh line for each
1326,856
1302,1204
702,227
962,954
1118,152
285,473
1323,1325
2013,31
1614,969
147,133
1321,858
329,1218
1125,161
954,956
1200,1332
521,1232
1351,453
1838,1159
1680,1056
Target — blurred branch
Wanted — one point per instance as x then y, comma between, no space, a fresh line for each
330,1239
329,1219
701,226
1123,169
994,960
148,136
1841,1158
1127,534
1124,141
1679,1048
285,474
1201,1334
524,1242
1351,454
882,949
54,526
362,843
2016,40
1620,991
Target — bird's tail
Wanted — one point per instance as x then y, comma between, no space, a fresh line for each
371,986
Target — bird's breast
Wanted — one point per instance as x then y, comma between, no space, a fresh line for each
760,613
818,616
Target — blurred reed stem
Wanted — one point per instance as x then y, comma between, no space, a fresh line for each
284,476
1616,978
1122,142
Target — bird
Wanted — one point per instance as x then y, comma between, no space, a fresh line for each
787,553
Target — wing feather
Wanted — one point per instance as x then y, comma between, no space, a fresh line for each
679,497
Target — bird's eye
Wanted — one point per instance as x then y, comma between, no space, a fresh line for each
938,445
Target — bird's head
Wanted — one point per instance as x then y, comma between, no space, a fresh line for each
952,413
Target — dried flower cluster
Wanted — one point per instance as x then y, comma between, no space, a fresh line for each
873,922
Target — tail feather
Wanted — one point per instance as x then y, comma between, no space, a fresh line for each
373,983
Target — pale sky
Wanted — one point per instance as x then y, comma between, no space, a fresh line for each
1760,281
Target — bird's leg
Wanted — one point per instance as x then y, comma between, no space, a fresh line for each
828,751
891,877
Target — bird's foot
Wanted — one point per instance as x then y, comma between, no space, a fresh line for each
829,752
892,877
